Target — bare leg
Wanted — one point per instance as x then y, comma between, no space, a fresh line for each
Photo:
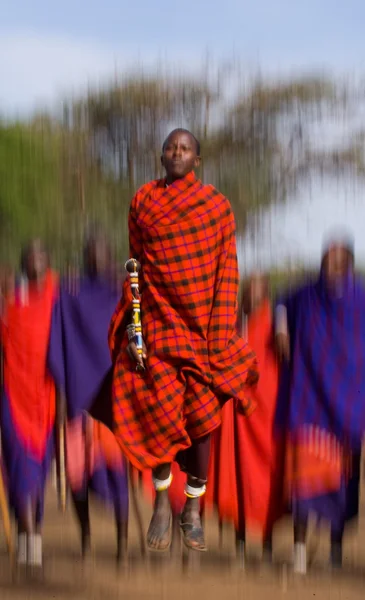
122,536
83,516
160,530
241,548
25,529
267,548
300,550
30,538
26,519
220,534
300,532
191,523
196,461
336,548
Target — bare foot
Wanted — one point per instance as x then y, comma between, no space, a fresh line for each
122,540
267,554
191,526
336,555
85,542
160,530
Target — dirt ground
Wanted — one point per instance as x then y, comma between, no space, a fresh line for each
217,577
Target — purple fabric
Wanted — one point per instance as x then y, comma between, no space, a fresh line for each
325,382
79,360
25,476
79,356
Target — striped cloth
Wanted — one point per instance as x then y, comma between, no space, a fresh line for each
184,237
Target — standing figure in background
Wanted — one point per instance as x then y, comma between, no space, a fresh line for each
320,332
28,401
183,234
247,461
79,360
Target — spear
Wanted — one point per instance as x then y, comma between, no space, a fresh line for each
4,507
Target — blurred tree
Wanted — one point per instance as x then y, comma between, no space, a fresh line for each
57,176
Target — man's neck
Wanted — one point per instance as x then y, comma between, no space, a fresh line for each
257,306
36,283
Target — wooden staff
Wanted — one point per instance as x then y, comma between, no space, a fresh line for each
137,509
62,485
133,266
6,518
4,507
61,453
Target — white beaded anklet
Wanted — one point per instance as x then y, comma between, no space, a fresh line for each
195,492
162,485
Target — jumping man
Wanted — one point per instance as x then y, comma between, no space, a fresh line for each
183,234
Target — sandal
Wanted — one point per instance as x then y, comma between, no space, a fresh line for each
193,537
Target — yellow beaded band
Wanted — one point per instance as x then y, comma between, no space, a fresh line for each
161,485
192,492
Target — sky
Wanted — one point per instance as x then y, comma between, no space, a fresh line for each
51,48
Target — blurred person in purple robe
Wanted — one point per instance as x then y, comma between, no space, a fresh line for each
79,360
320,333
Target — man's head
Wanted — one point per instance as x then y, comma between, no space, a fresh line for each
337,262
337,256
34,260
255,291
97,254
180,154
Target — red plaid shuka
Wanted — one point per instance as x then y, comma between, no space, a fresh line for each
184,237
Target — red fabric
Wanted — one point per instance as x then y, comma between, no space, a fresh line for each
86,452
222,486
308,474
316,465
30,389
184,237
246,472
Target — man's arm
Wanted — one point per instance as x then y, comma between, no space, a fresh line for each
281,320
282,332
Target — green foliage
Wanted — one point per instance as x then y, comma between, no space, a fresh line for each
29,191
58,176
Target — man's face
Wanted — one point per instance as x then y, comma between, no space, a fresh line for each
36,261
337,263
254,293
98,256
179,156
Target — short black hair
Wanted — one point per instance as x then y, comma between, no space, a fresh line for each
182,130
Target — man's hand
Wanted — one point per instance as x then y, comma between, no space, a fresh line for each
133,353
283,347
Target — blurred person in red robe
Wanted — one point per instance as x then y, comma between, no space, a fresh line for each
246,468
28,398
